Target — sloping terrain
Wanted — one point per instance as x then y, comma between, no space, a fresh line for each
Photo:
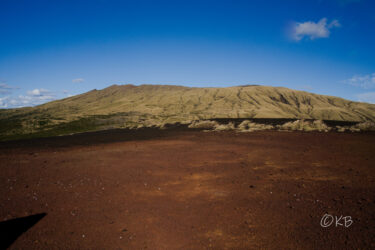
154,105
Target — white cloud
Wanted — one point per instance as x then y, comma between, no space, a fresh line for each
38,92
367,97
362,81
3,102
312,30
78,80
32,98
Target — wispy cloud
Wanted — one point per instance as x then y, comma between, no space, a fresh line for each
32,98
367,97
312,30
38,92
362,81
78,80
5,88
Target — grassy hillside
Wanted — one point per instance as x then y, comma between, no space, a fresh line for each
153,105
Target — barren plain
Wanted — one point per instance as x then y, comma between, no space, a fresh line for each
179,189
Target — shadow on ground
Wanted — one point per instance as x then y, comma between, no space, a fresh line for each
10,230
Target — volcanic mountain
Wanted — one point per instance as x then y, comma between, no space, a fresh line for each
130,106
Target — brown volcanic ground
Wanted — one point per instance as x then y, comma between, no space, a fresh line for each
154,189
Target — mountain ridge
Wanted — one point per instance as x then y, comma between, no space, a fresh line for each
152,105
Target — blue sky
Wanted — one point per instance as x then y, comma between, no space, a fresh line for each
54,49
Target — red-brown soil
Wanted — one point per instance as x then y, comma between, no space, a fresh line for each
191,190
